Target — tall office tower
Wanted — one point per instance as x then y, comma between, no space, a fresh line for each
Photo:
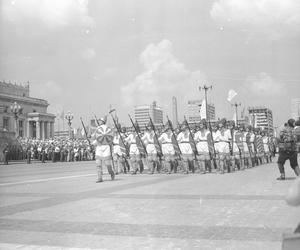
261,117
295,108
143,112
174,112
193,111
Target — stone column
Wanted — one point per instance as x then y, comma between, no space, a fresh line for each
28,128
51,129
38,130
42,130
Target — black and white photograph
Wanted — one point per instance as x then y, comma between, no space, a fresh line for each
150,124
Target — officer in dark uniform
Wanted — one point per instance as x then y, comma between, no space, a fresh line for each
5,153
287,149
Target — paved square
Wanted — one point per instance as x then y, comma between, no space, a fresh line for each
60,206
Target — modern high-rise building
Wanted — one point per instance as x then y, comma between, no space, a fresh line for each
295,108
143,112
193,111
174,112
261,117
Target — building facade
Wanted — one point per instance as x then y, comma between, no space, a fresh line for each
295,108
32,120
193,111
261,117
142,114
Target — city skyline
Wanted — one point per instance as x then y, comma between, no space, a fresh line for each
84,56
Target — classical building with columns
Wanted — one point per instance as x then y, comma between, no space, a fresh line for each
32,120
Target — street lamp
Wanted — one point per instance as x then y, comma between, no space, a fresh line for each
69,117
236,112
15,108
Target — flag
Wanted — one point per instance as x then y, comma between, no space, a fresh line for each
203,110
231,95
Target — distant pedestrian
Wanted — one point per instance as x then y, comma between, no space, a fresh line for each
5,154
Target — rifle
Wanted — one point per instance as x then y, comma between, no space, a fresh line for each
138,135
173,132
85,131
152,125
119,132
213,144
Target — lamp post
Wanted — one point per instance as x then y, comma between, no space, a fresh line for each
15,108
69,117
206,88
236,112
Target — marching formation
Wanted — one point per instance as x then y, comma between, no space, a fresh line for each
225,148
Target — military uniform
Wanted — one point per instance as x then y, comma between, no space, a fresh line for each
103,141
287,150
184,141
200,138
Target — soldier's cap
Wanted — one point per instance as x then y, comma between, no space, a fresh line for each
203,121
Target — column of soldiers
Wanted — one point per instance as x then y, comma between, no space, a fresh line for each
224,148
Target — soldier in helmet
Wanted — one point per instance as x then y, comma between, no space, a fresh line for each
287,149
223,137
201,138
168,150
103,139
152,155
134,150
184,141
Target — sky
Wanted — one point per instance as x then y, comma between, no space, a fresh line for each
87,56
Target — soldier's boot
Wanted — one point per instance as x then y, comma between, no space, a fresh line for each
232,166
202,167
282,173
221,164
297,170
242,164
111,172
99,172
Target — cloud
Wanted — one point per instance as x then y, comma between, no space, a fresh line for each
48,90
265,86
162,77
271,16
88,53
52,13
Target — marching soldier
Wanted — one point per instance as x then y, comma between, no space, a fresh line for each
266,143
237,149
103,140
223,137
287,149
149,140
184,141
200,138
118,154
134,152
247,147
168,150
